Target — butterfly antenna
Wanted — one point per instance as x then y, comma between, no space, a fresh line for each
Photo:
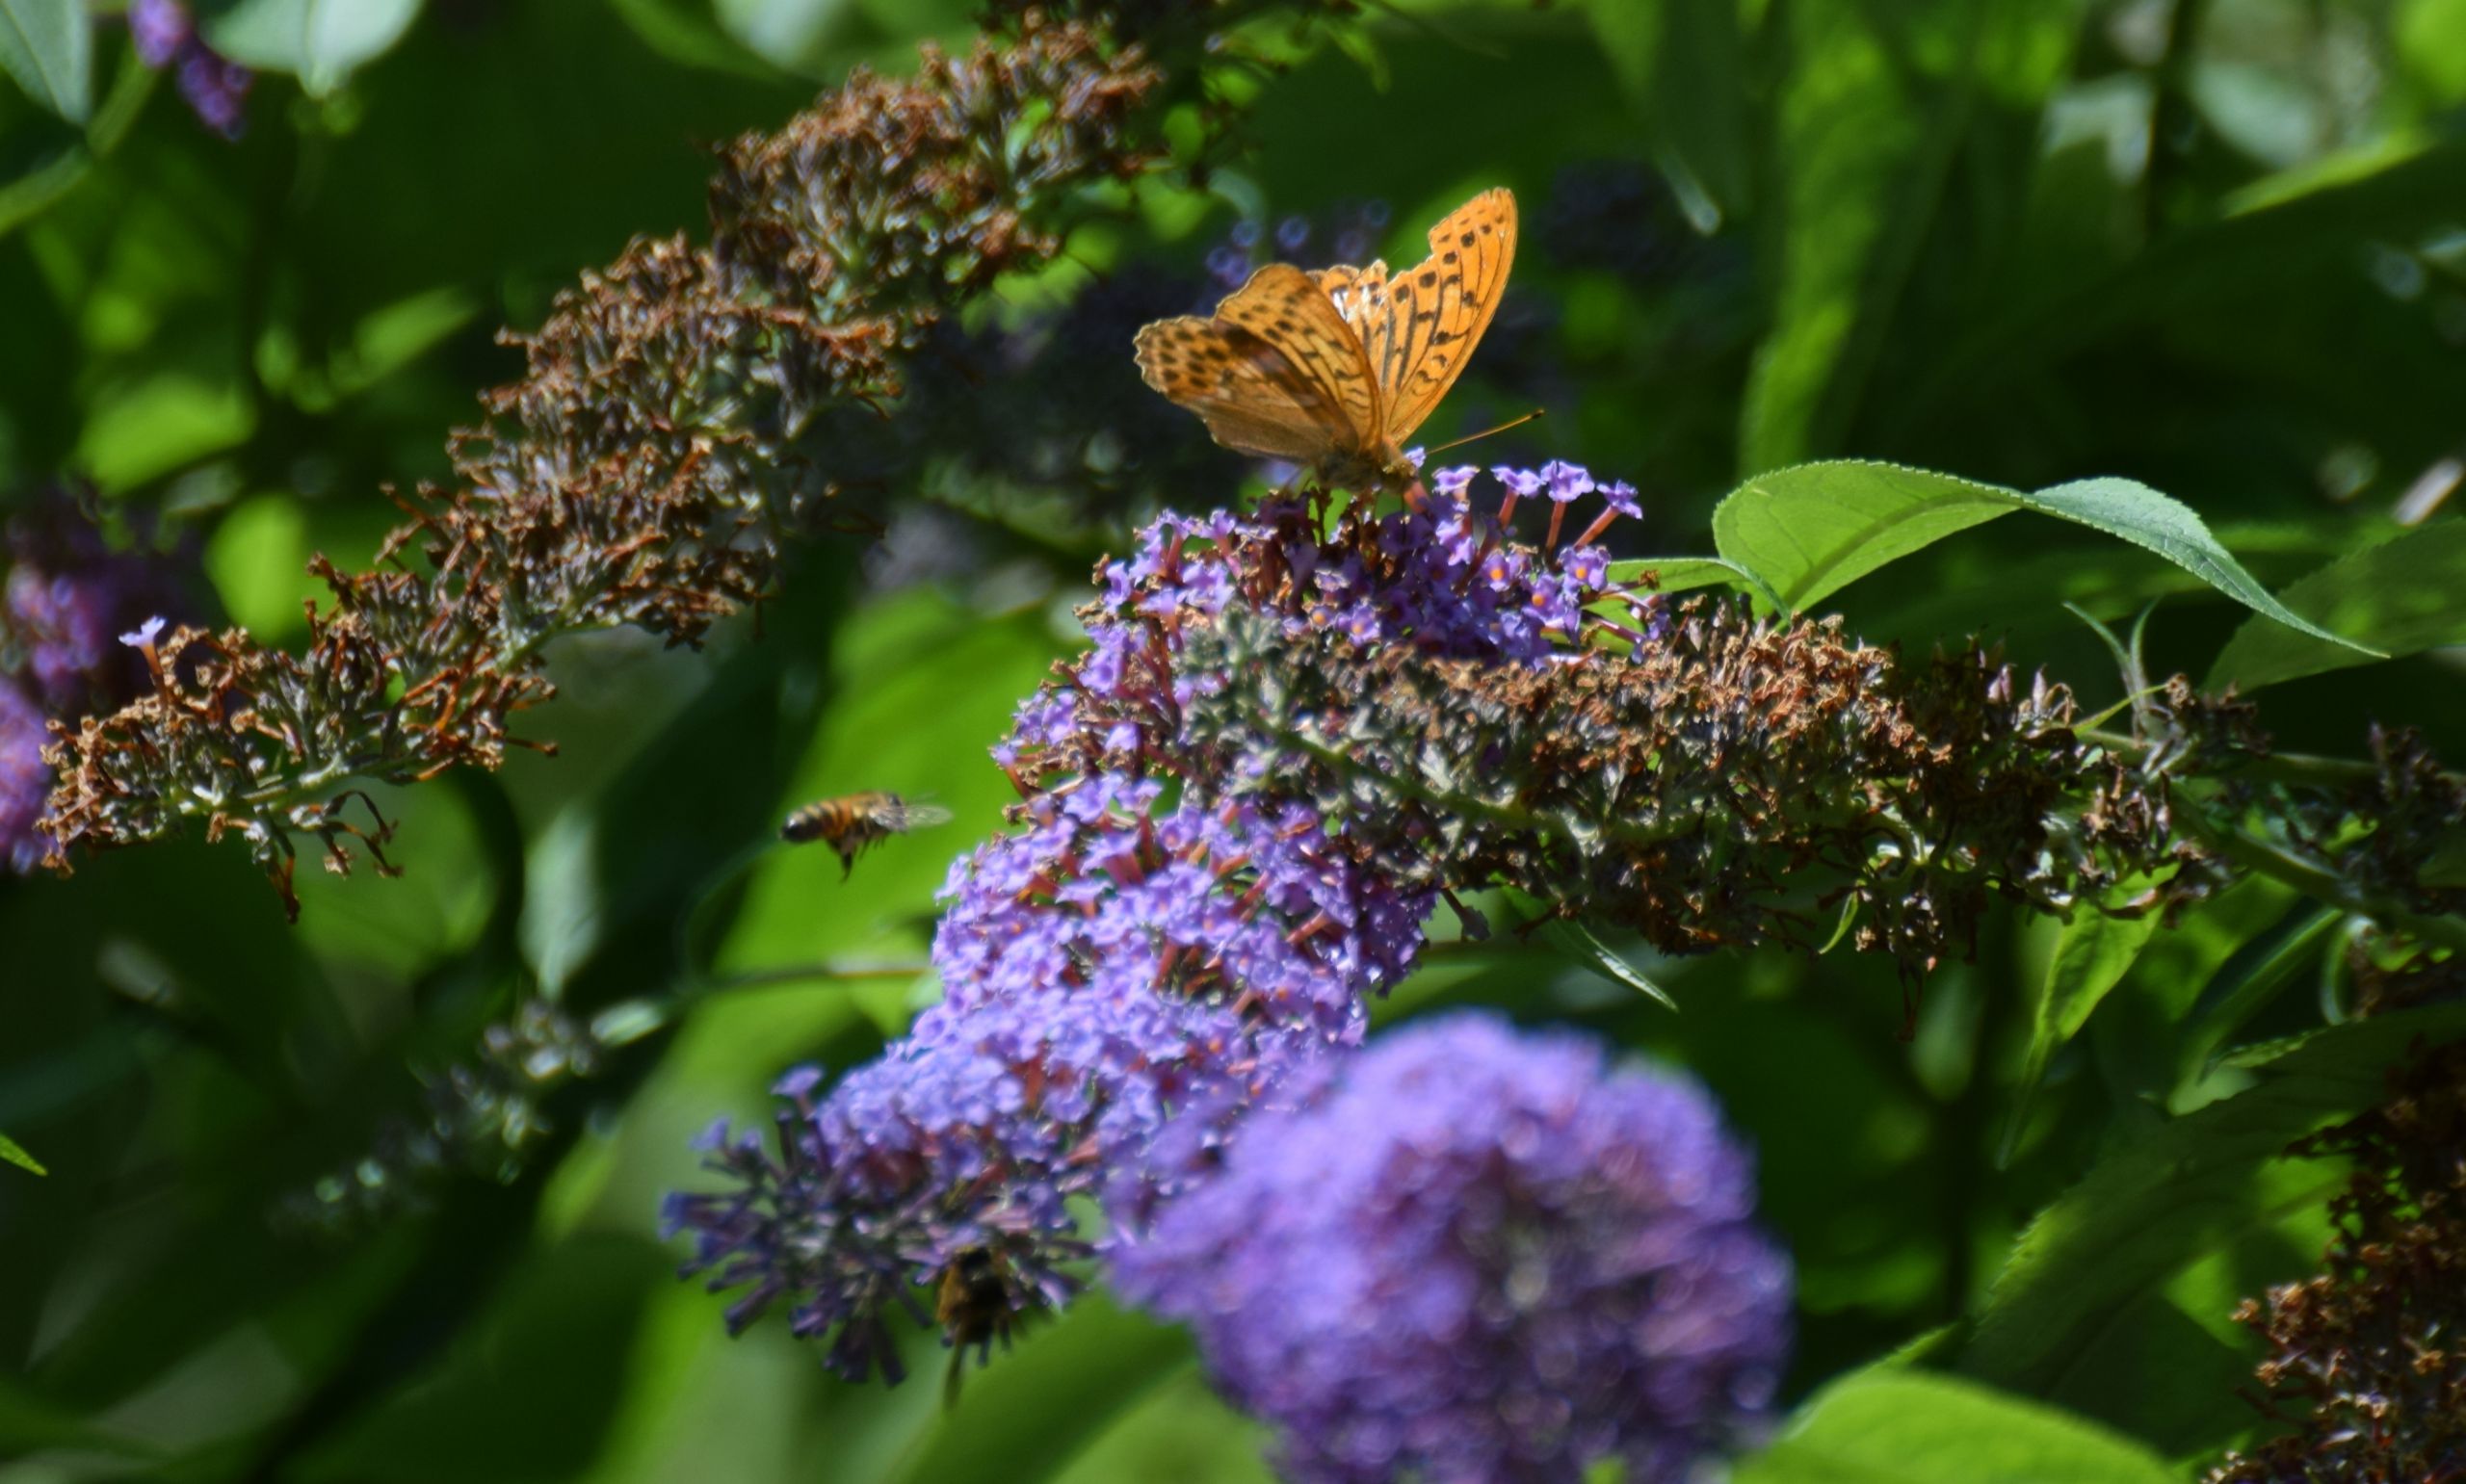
1513,422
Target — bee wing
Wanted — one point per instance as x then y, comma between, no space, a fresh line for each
923,816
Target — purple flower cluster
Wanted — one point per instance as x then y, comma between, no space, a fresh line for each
1465,1254
1441,577
216,87
1163,939
1102,969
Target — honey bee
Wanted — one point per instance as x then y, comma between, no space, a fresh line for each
973,1304
850,823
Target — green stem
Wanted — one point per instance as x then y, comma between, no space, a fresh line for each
2302,768
2315,880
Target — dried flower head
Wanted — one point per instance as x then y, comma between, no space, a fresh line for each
647,469
2365,1379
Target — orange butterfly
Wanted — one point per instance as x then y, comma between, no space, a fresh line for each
1336,368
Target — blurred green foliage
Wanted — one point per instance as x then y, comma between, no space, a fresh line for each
2215,245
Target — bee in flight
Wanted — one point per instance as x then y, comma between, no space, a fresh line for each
852,821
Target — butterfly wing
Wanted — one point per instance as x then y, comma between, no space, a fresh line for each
1419,326
1276,372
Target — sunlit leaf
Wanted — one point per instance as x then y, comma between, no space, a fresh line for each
1813,528
13,1152
1816,527
1892,1425
1573,938
319,41
46,48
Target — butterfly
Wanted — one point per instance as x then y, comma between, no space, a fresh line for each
1336,368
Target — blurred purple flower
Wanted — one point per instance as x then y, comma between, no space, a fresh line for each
1468,1254
24,779
216,87
158,28
62,618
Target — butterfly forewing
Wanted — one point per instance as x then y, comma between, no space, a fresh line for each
1275,373
1420,325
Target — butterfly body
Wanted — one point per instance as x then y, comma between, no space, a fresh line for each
1335,369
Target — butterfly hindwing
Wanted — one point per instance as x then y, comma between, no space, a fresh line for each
1420,325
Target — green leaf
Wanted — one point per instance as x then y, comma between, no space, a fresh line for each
2405,595
27,196
688,34
1578,941
1889,1425
32,1423
1027,1416
2248,983
1682,64
2189,1187
1814,529
54,173
1882,111
2230,274
13,1152
2430,36
785,32
2091,957
46,46
1182,1431
319,41
2132,512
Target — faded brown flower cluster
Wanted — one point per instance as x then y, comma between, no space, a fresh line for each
2365,1376
671,433
1737,783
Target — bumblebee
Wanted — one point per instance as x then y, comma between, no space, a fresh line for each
850,823
973,1304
